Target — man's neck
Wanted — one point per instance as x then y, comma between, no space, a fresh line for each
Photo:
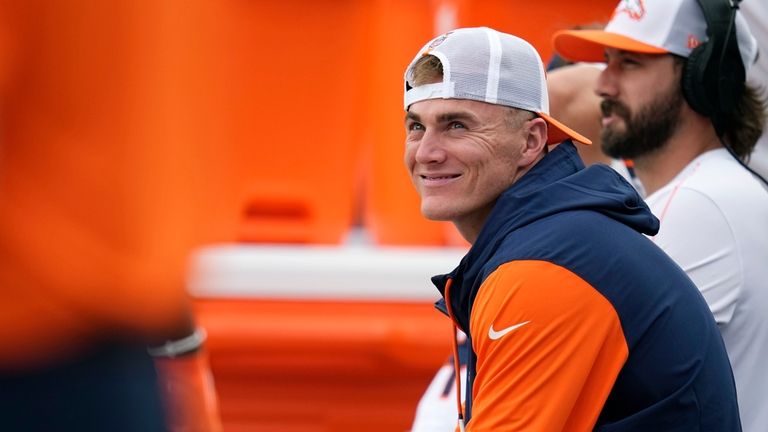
692,138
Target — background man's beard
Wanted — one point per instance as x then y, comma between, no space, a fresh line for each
646,132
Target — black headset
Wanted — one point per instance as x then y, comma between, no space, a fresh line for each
713,77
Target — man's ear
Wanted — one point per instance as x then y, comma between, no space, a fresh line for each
535,142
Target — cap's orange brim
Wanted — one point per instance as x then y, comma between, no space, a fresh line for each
589,45
558,132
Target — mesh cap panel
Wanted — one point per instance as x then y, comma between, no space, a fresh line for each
485,65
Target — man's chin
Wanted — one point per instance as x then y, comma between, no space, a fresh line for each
436,217
436,214
611,142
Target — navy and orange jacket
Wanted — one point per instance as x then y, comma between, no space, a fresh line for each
577,321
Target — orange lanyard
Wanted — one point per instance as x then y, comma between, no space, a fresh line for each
456,363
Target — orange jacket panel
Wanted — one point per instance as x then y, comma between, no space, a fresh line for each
549,348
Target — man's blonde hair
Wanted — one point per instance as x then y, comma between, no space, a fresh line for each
427,70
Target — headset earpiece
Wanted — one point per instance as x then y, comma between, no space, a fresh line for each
713,76
695,89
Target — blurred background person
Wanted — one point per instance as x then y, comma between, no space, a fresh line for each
570,85
571,91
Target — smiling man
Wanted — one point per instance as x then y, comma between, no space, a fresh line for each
575,319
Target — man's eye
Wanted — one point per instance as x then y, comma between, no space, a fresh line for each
629,62
415,127
456,125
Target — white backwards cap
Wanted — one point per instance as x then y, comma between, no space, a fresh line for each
485,65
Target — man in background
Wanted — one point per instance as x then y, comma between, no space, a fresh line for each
665,107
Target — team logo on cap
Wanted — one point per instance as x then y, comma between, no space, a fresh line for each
693,41
634,8
437,41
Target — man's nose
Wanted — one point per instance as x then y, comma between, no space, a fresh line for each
430,149
606,87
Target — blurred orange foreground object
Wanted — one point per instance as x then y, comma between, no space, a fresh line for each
317,338
95,222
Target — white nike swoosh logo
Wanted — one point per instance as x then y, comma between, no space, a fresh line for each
494,335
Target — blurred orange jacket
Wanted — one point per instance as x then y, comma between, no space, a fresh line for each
93,239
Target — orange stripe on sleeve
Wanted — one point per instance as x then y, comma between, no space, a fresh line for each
549,347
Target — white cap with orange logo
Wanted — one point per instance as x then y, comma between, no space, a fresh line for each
652,27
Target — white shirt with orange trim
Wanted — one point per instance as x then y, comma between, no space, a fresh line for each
714,224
